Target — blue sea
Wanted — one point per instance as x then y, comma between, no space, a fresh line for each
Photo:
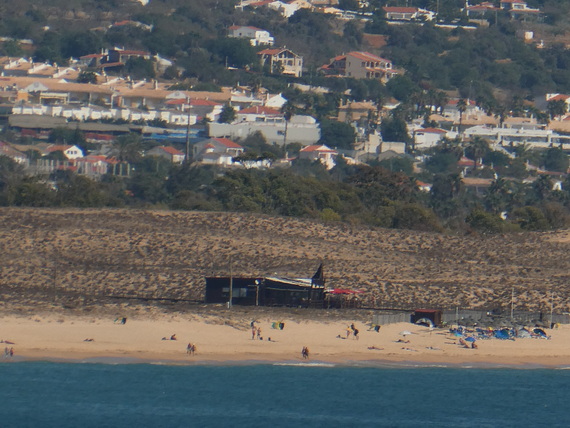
41,394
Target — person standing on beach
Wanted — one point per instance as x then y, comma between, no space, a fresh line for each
253,330
259,333
6,352
305,353
11,352
189,348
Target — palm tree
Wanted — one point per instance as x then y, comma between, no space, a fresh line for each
497,195
478,147
501,113
441,101
462,107
128,148
288,111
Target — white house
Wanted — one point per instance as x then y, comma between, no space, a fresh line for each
300,129
283,60
70,152
217,151
360,65
259,114
256,36
407,13
429,137
170,153
320,153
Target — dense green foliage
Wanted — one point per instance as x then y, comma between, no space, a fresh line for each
384,195
194,34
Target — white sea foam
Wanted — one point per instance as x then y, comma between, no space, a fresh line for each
306,364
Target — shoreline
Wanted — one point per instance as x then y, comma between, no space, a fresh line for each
225,341
317,363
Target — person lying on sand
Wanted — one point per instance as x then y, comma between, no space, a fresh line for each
173,337
89,340
431,348
375,348
402,341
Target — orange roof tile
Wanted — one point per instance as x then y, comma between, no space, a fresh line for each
260,110
171,150
228,143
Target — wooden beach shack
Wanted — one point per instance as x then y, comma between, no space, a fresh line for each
268,291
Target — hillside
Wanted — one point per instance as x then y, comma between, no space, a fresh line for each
75,258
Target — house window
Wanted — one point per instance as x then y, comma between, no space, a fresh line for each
363,64
280,132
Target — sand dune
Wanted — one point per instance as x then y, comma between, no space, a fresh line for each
79,258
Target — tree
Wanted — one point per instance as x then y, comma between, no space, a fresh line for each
416,217
128,148
87,77
140,68
556,108
462,108
477,148
348,5
484,222
337,134
227,115
394,129
12,48
555,159
11,175
497,196
288,111
530,218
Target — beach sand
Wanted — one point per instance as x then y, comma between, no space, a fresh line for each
220,340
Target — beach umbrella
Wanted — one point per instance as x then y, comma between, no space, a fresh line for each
470,339
405,333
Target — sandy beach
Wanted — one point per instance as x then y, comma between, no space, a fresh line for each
62,337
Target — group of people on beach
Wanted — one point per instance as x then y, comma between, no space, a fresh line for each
191,349
351,330
8,353
255,331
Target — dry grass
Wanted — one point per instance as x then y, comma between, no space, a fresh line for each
77,258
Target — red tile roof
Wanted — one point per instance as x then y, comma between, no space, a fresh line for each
318,148
367,56
260,110
559,97
91,56
432,131
468,102
194,102
269,51
400,9
228,143
178,101
58,148
171,150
